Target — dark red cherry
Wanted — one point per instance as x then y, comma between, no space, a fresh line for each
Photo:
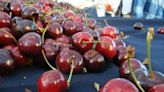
77,18
106,46
94,61
55,30
23,26
157,88
161,30
145,81
135,63
51,49
59,19
90,22
79,40
120,43
16,8
65,59
68,14
6,38
122,55
30,43
29,12
5,20
7,63
21,60
63,39
138,26
79,26
109,31
119,85
52,81
69,27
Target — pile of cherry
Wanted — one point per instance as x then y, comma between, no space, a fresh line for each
73,43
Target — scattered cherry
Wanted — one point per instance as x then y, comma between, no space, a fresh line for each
161,30
5,20
138,26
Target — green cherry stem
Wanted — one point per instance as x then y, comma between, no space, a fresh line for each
44,32
9,35
133,75
45,58
149,37
71,73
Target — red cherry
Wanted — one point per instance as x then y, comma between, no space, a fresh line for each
119,85
161,30
51,49
68,14
30,43
55,30
106,46
69,27
5,20
65,59
79,26
77,18
109,31
90,22
157,88
15,8
52,81
135,64
79,39
63,39
94,61
120,43
7,63
6,37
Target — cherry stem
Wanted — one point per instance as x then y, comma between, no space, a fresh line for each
106,23
133,75
149,37
94,42
44,32
9,35
71,73
45,58
97,86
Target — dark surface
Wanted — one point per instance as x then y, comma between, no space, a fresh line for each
84,82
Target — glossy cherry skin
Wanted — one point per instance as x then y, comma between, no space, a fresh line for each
63,39
5,20
138,26
23,26
109,31
79,39
161,30
6,39
106,46
7,63
119,85
69,27
16,8
120,43
51,49
68,14
29,12
94,61
65,59
145,81
77,18
30,44
55,30
21,60
122,55
135,64
79,26
157,88
52,81
90,22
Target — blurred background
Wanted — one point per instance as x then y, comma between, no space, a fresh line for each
148,9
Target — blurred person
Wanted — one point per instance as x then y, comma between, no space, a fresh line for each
126,8
148,9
